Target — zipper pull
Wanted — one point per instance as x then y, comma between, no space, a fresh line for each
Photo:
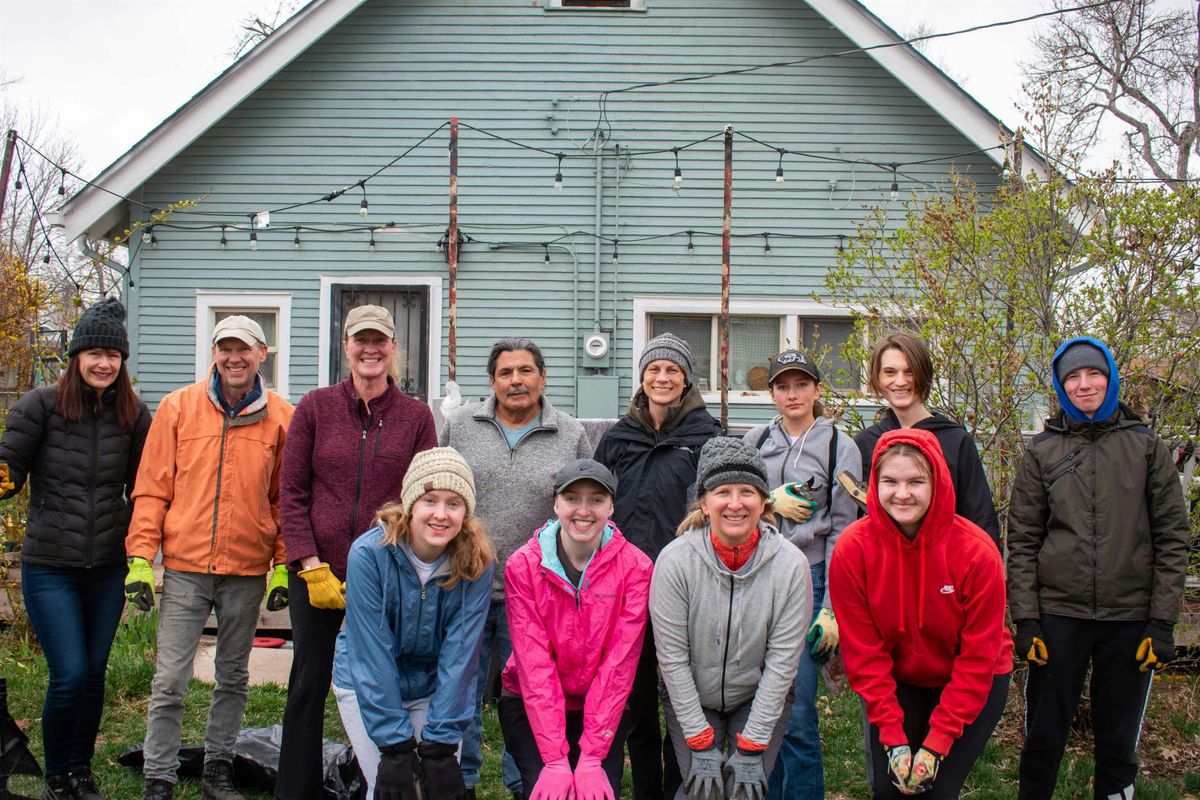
422,591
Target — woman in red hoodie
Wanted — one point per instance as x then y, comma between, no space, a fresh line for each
919,596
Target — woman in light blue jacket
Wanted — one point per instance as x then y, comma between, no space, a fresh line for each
418,586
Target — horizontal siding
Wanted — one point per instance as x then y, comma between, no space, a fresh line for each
393,71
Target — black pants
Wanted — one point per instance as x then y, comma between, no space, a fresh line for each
521,745
652,763
918,703
314,634
1119,693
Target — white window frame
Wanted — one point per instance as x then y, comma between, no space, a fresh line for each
434,332
792,311
557,5
280,302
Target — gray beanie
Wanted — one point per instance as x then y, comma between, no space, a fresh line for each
728,459
667,347
1078,356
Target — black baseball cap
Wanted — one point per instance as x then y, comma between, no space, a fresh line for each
789,360
584,469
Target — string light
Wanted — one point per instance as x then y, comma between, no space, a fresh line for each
616,255
46,258
147,233
62,178
779,169
895,193
841,242
153,239
362,207
296,240
678,181
253,233
371,244
546,260
691,247
766,244
558,175
224,241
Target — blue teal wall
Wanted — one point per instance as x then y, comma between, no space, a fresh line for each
396,69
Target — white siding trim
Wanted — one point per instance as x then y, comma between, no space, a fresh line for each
280,302
434,332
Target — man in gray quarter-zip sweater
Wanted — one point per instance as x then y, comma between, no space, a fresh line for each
514,442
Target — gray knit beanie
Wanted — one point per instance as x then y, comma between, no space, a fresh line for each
728,459
102,325
1078,356
667,347
437,468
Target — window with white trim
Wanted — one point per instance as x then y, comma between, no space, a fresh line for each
271,310
757,331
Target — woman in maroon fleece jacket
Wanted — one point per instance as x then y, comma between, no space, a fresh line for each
919,597
348,448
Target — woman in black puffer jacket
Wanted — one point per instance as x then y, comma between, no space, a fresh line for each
79,443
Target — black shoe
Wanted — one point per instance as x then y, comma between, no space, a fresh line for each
216,782
158,789
83,785
58,787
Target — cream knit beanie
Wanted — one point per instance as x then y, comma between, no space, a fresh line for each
438,468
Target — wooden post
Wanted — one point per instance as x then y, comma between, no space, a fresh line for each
452,254
10,141
724,325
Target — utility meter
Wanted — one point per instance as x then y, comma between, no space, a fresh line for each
596,350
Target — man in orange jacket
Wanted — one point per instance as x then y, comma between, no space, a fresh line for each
207,494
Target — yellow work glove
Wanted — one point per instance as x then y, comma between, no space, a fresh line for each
324,589
1031,643
1157,646
139,583
6,483
788,502
823,636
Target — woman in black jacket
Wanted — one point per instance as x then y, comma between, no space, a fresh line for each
653,451
902,374
78,442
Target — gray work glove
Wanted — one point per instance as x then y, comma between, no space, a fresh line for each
703,781
745,778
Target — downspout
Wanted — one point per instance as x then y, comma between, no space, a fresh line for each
599,232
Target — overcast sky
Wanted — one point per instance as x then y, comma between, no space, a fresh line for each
108,71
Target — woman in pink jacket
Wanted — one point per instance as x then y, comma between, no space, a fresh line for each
577,595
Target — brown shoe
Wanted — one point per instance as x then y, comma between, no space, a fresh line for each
216,782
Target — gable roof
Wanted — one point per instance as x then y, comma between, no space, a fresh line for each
95,212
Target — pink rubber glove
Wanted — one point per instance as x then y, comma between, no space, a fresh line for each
556,781
591,781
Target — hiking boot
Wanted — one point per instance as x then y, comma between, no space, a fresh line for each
158,789
58,787
216,782
83,785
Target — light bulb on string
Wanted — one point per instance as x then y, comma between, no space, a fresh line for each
362,207
779,169
147,234
371,244
153,239
766,244
841,243
224,241
616,252
253,240
678,180
558,181
296,239
691,247
546,260
895,193
46,258
62,177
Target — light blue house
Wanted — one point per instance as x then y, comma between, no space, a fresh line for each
338,94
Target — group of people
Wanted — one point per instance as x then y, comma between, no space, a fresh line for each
671,567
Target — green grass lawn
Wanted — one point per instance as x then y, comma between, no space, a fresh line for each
1170,746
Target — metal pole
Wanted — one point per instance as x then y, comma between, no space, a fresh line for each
10,141
724,326
452,252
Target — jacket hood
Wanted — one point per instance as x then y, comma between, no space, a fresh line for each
940,517
690,427
1109,406
689,401
547,544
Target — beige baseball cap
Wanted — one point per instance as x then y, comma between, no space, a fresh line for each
369,318
241,328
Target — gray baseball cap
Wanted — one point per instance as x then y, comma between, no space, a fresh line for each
584,469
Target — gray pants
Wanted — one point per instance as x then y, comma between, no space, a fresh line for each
186,601
725,726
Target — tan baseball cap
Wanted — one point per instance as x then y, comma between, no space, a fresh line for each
369,318
241,328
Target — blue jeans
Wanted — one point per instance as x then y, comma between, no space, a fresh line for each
495,634
75,613
800,771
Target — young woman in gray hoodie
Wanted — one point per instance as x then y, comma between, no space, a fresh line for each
730,600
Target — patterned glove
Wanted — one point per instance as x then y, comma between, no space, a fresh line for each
899,765
277,589
745,778
324,589
396,778
703,781
1031,644
790,503
556,781
439,772
924,771
139,584
1157,646
823,636
591,782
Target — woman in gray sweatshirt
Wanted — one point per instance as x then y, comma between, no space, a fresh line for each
731,600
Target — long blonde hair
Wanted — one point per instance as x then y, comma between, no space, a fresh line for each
469,552
696,518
